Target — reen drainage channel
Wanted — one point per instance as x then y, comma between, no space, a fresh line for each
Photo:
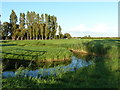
75,64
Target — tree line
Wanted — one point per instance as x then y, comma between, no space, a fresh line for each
32,26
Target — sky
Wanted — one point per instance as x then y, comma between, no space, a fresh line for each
97,19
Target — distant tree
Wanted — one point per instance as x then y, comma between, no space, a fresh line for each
60,33
46,26
49,27
28,25
37,27
32,26
67,35
42,31
22,25
85,36
13,21
29,22
55,25
6,29
89,36
22,21
62,36
42,18
2,33
0,29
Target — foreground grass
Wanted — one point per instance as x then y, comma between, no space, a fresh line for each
100,75
103,74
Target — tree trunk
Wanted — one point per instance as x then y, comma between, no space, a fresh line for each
21,38
18,37
42,37
13,38
27,36
36,38
30,38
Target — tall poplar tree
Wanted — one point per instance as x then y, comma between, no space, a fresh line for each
22,25
32,26
6,29
22,21
60,33
28,23
37,26
13,21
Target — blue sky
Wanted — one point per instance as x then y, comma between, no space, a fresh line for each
77,18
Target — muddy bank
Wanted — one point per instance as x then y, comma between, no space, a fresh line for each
79,51
82,52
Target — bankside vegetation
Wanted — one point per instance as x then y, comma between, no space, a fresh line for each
32,26
40,50
103,73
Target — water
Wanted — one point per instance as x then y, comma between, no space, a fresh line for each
75,64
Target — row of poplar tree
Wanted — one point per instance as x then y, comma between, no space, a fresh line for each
32,26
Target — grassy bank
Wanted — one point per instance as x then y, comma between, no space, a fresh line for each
36,53
40,49
34,50
103,73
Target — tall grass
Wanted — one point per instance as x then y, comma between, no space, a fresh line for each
39,49
35,53
103,73
54,49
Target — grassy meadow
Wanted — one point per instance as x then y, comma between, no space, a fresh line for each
103,73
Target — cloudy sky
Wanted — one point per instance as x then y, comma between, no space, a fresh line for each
97,19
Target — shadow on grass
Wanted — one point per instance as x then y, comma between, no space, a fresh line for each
3,41
8,44
27,83
28,52
98,75
15,62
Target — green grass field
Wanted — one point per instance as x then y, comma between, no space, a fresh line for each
103,74
33,51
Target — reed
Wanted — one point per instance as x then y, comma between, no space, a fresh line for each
104,73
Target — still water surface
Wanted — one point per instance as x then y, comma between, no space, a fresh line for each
75,64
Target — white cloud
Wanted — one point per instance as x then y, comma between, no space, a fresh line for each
96,28
99,28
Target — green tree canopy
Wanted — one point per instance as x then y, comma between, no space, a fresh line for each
32,26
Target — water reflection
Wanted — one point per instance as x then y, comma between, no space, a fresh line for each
14,64
75,64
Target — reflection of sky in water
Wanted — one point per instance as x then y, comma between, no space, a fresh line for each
74,65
